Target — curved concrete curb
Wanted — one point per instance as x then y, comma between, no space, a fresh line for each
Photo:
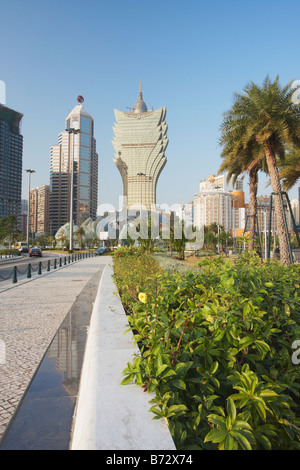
110,416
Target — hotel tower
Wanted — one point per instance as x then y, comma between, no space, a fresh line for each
140,142
76,143
11,156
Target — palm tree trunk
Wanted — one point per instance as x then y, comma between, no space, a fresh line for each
275,182
253,180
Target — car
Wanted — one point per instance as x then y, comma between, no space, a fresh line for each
23,249
35,252
99,251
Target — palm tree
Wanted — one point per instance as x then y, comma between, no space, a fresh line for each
245,163
267,118
62,237
290,169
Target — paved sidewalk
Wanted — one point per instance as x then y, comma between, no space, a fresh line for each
31,311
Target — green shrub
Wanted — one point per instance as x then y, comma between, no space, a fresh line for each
216,350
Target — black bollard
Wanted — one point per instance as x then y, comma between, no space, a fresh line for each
29,270
14,279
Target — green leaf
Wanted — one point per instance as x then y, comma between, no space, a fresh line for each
231,409
245,342
229,443
216,435
217,420
139,380
214,368
156,411
242,425
168,373
264,441
246,310
178,384
160,369
287,310
177,408
244,443
228,423
179,322
182,368
267,393
127,379
260,409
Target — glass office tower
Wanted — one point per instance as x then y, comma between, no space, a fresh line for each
80,147
140,142
11,153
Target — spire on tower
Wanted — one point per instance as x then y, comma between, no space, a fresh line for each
140,105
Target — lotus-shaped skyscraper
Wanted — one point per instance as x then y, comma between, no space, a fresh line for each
140,142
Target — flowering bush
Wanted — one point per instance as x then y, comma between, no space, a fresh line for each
215,349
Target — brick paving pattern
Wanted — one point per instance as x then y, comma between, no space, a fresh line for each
30,314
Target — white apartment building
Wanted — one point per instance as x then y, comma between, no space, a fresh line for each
219,182
295,209
39,209
220,202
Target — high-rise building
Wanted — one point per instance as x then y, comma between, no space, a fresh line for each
220,202
295,209
140,142
39,209
11,153
80,146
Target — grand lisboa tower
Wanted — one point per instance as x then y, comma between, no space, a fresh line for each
140,141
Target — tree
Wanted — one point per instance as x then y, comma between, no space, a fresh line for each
62,238
145,226
265,118
174,237
210,239
290,168
8,227
245,163
80,232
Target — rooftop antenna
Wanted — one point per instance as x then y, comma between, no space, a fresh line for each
140,97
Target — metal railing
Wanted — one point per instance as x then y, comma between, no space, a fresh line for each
40,266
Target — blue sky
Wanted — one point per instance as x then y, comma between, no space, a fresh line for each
191,56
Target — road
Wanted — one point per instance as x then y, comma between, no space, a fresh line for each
7,266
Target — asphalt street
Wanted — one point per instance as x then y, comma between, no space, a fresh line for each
7,266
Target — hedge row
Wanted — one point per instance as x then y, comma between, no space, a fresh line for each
218,348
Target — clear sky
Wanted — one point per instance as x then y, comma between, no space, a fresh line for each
191,56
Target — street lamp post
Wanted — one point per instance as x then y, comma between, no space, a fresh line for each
72,131
29,171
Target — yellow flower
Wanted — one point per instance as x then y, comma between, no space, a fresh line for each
297,286
142,297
